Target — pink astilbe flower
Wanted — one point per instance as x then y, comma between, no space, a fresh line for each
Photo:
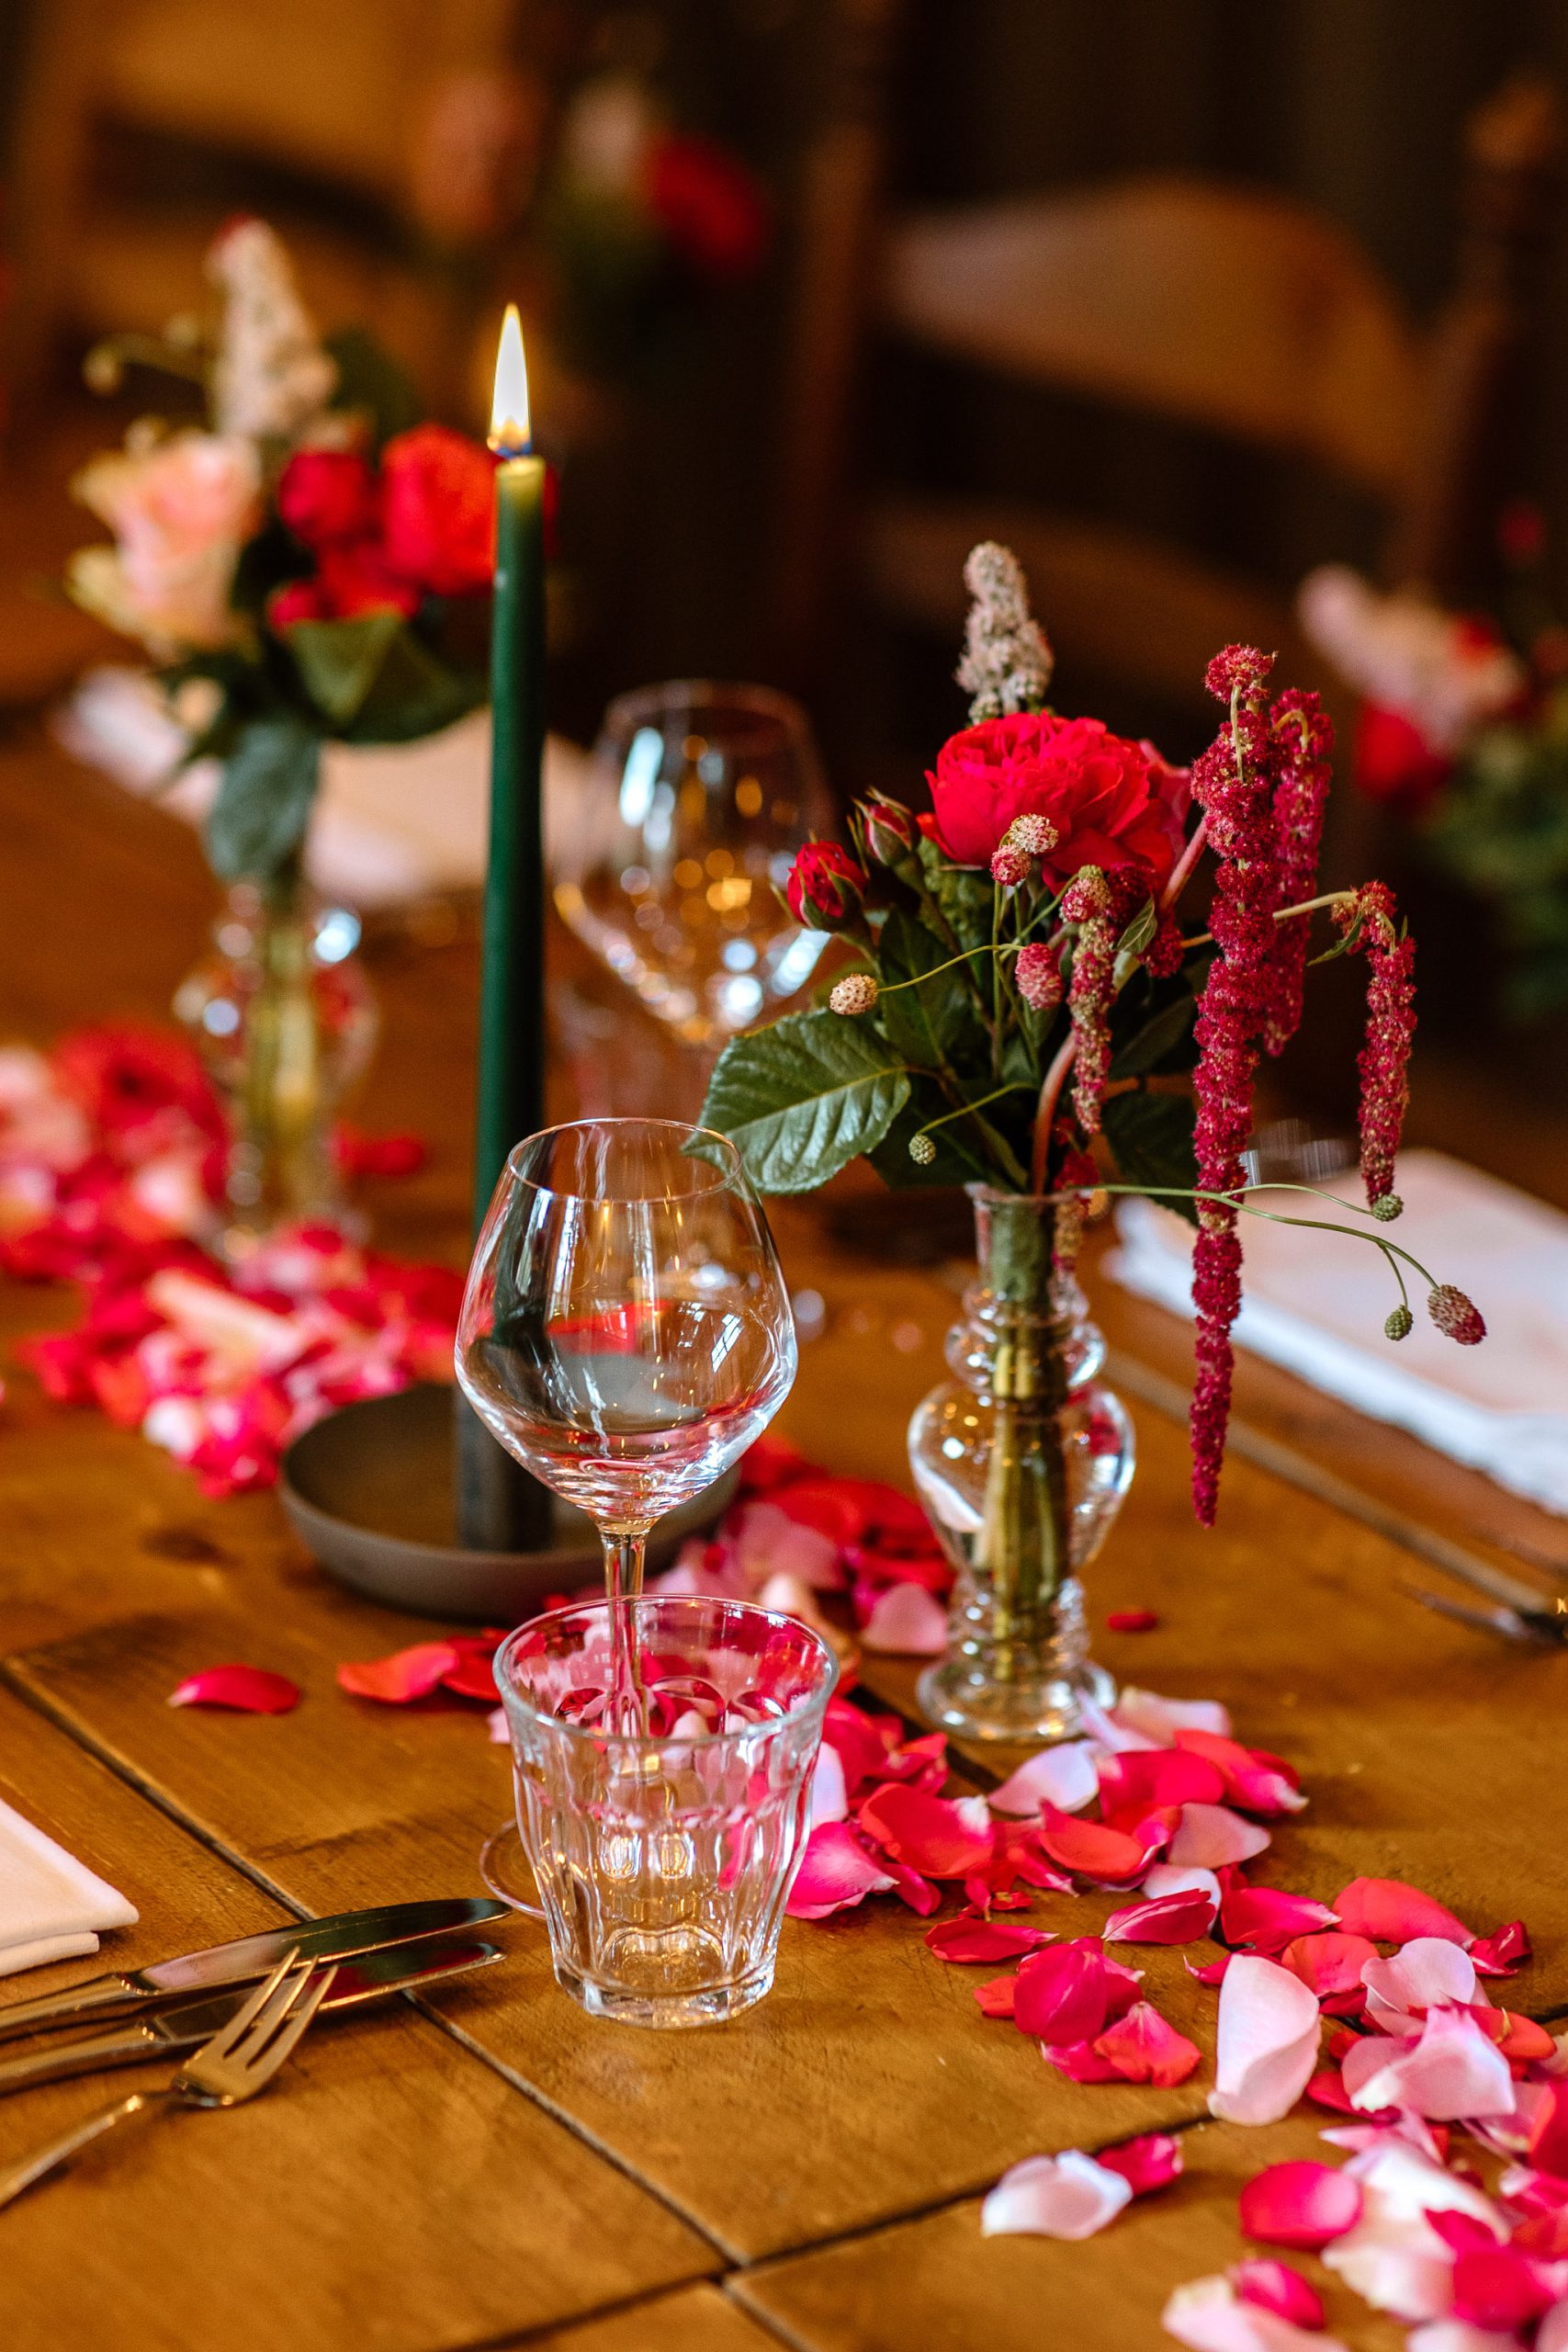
1384,1060
1235,782
1305,738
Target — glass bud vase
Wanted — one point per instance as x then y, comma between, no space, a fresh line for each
285,1020
1022,1461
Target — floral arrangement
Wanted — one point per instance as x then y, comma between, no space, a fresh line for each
1463,730
306,563
1028,1013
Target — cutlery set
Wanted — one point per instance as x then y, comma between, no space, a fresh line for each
240,2007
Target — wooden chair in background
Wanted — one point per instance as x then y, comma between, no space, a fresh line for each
1214,305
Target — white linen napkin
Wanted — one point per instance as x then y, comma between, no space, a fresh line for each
395,822
1316,1303
51,1906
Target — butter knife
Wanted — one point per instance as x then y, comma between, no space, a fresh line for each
346,1936
186,2024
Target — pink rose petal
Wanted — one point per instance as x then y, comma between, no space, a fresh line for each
1552,2333
1160,1719
1301,2205
906,1621
500,1730
1254,1779
1428,1970
1210,1836
1457,2336
405,1675
1178,1918
1390,1911
1268,2042
1159,1776
249,1690
1063,1776
1274,2287
1264,1919
835,1872
939,1836
1161,1878
1152,2161
1503,1951
973,1941
1144,2047
830,1797
1452,2071
1111,1857
1209,2316
1069,2196
1330,1966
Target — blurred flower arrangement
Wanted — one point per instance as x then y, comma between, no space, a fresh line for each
1029,1018
1463,730
310,562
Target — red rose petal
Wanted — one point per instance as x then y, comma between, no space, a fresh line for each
1300,2205
1549,2132
1131,1620
1390,1911
1154,1777
1255,1781
405,1675
1264,1919
1150,2162
1504,1951
1275,2287
249,1690
1060,1995
1169,1919
1500,2288
1144,2047
1330,1966
972,1941
1097,1851
936,1835
473,1676
835,1872
996,1996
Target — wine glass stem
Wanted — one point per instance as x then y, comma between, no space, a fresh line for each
625,1553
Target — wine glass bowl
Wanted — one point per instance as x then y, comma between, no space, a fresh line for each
699,797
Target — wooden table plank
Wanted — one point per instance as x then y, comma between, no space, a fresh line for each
694,2319
934,2282
392,2191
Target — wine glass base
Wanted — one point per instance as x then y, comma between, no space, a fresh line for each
1044,1711
673,2010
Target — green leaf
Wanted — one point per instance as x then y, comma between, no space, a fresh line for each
264,803
803,1099
1160,1034
1151,1136
368,377
375,680
936,1021
1140,931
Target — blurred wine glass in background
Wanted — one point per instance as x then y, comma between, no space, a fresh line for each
679,845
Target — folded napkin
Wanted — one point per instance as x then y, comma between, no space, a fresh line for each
51,1906
1316,1303
395,822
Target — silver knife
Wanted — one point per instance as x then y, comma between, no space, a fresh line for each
346,1936
188,2023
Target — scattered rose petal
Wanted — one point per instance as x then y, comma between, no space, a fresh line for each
1454,2070
499,1728
1209,2316
906,1621
1211,1836
1502,1952
1144,2047
1151,2161
1500,2288
829,1798
249,1690
996,1997
1264,1919
1162,1878
1549,2132
1160,1719
473,1674
971,1941
1157,1776
917,1892
1069,2196
1063,1994
1428,1970
1390,1911
939,1836
1178,1918
1268,2042
835,1872
1212,1971
1065,1777
1131,1620
1255,1781
1301,2205
1394,2257
405,1675
1552,2333
1330,1966
1274,2287
1457,2336
1110,1857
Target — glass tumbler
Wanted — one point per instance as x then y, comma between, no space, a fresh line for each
663,1858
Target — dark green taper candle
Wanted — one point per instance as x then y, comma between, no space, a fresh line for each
500,1508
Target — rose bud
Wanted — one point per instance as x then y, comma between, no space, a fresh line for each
887,829
824,885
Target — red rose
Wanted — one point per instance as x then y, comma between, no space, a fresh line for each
1393,761
1113,802
438,511
353,579
709,206
824,883
324,495
298,600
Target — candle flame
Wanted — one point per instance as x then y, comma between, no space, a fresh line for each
510,434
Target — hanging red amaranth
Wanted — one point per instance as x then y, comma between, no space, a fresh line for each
1384,1060
1234,781
1304,737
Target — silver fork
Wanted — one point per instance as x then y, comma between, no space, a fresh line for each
239,2060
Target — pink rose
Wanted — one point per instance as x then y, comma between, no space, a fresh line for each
1111,802
180,511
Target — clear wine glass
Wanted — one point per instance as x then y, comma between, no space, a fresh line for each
625,1331
698,797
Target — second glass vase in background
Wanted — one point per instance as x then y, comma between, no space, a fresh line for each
1022,1461
285,1020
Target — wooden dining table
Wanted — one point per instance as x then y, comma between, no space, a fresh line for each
487,2164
